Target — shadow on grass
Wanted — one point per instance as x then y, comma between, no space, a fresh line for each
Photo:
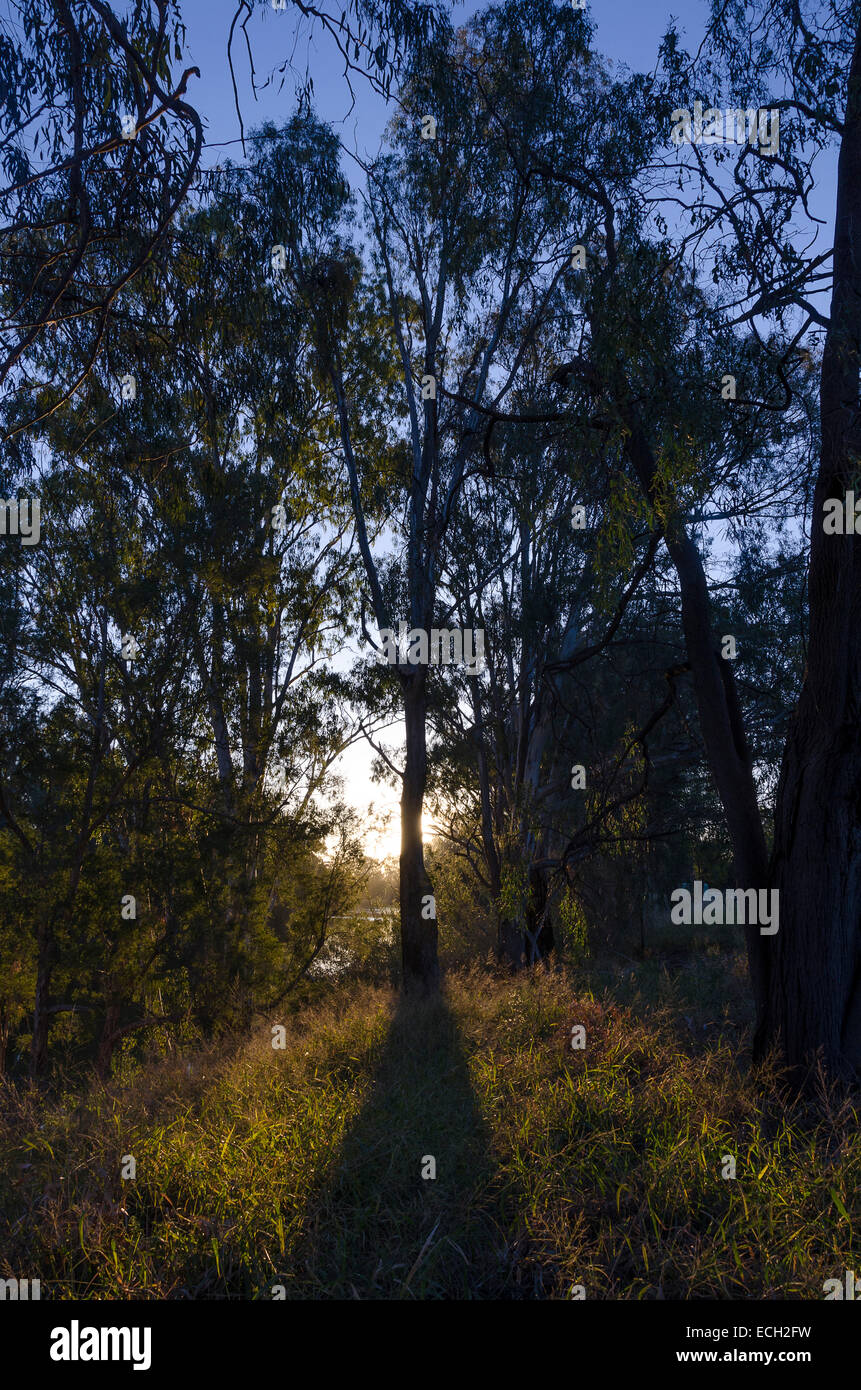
378,1229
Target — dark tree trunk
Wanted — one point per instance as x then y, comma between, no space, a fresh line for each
539,926
720,718
109,1039
814,999
41,1006
418,933
510,944
491,856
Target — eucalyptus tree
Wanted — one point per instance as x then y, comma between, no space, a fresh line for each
579,743
793,73
263,496
195,537
663,363
99,149
654,355
538,561
105,653
470,259
374,38
459,253
235,466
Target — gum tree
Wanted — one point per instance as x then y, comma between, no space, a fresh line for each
463,259
651,352
805,61
99,149
734,214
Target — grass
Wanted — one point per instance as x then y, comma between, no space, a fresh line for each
301,1168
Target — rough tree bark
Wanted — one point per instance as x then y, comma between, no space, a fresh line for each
814,996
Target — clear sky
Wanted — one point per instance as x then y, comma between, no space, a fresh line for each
283,46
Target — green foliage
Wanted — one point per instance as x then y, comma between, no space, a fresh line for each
575,928
513,891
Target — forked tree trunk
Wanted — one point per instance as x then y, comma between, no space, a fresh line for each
418,929
814,998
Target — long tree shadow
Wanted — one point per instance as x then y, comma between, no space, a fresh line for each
406,1210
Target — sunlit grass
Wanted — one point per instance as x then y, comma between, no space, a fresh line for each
302,1168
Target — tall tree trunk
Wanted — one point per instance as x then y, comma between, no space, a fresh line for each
814,1000
720,718
218,724
418,932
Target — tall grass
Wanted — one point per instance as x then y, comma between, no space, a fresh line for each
259,1170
